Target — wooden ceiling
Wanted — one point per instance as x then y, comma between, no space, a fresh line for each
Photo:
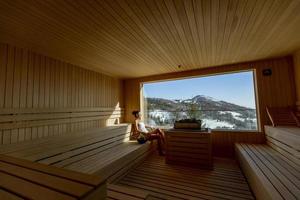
133,38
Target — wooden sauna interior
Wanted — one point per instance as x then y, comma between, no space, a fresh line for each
71,74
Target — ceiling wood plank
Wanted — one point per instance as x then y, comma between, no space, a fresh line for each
134,38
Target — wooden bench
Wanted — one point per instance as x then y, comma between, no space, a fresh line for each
107,152
286,140
22,179
272,169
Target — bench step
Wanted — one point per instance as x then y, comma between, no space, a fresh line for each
104,152
270,174
284,139
22,179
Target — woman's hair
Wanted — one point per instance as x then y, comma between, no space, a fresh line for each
135,113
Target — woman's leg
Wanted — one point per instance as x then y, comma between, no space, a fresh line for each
162,135
155,136
159,132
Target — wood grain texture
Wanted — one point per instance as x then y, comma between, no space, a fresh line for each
117,192
45,182
106,152
172,182
223,141
296,57
130,38
285,140
189,148
271,174
41,96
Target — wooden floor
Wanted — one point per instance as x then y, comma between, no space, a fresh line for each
162,181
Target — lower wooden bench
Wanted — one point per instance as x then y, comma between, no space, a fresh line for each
106,152
22,179
271,175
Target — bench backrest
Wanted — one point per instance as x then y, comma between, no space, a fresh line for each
282,116
56,149
285,140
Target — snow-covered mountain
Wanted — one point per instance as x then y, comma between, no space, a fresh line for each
214,113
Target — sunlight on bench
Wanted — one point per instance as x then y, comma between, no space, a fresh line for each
272,169
102,151
22,179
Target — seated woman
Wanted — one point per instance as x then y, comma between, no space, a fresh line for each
143,134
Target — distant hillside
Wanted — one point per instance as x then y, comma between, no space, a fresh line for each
214,113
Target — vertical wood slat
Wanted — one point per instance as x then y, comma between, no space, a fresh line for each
8,100
56,84
1,137
9,77
52,83
61,85
24,79
65,85
42,82
23,89
6,137
32,81
16,89
3,62
47,83
36,81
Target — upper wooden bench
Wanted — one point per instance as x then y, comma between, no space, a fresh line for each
286,140
102,151
273,169
283,116
22,179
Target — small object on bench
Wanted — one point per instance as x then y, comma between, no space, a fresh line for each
24,179
283,116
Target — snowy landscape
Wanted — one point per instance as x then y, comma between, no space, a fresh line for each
215,114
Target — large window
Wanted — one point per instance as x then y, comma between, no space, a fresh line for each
224,101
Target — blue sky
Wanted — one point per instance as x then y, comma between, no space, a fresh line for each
237,88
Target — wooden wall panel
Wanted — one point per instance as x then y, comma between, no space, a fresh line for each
297,75
41,96
223,141
275,90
